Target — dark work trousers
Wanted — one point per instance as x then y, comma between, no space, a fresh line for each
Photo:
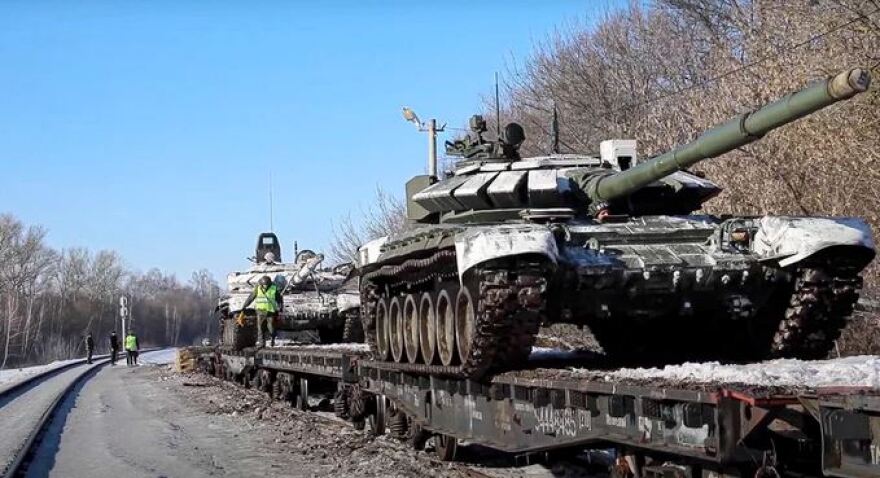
267,318
89,355
113,353
132,357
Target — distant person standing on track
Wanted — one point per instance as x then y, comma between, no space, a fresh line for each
131,348
90,347
267,302
114,347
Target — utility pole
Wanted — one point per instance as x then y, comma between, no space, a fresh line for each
124,312
432,129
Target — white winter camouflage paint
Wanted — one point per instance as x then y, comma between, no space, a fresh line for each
480,244
792,239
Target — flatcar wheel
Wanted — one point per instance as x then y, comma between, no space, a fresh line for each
266,381
395,328
398,424
465,323
284,387
301,403
445,446
382,329
341,404
427,329
417,436
411,328
245,378
445,327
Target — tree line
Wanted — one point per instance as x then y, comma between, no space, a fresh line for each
50,299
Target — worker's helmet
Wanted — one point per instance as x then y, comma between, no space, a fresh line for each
265,281
270,257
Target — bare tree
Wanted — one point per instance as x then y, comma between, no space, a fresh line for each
385,216
49,299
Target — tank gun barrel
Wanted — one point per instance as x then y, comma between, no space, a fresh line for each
732,134
306,270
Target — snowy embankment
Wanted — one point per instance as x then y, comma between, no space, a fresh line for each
158,357
14,375
859,371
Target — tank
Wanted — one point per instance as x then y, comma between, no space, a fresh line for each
325,300
504,244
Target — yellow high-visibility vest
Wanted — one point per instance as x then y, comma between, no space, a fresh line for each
265,299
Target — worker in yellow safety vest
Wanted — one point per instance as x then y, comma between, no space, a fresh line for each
131,348
267,302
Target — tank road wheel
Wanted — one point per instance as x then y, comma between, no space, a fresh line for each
427,329
445,446
465,323
395,329
445,328
382,329
411,328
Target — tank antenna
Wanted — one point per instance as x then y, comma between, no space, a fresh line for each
497,109
554,132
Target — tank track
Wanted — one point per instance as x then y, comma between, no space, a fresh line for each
511,297
816,314
440,266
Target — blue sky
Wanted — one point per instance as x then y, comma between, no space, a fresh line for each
151,127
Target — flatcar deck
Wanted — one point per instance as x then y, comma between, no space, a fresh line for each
725,429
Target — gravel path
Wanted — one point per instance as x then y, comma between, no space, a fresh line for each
150,422
126,421
338,449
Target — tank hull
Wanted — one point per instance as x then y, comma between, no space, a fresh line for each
652,289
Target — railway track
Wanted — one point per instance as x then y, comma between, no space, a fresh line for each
28,408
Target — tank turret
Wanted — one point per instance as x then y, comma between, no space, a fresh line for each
732,134
493,183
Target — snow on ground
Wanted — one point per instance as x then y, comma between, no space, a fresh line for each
158,357
18,374
548,353
345,347
859,371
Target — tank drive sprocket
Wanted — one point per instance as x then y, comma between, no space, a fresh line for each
817,311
